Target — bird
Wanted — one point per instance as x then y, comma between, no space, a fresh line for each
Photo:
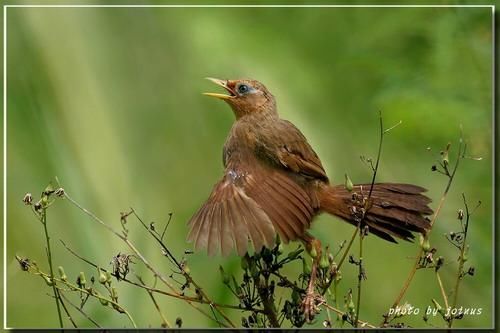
275,184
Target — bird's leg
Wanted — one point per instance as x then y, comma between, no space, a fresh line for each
312,299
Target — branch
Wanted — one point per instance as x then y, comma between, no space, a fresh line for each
73,287
179,265
451,176
81,311
136,252
41,214
156,290
363,323
164,321
461,258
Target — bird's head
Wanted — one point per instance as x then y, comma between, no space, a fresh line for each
245,96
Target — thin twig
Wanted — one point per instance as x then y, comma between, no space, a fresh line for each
43,219
136,252
346,252
60,295
366,208
363,323
268,303
164,321
451,176
379,152
81,311
86,292
441,288
372,184
166,226
360,274
180,267
159,291
461,259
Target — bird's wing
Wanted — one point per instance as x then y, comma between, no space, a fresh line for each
295,153
250,203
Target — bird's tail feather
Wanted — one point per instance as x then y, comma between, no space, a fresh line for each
392,211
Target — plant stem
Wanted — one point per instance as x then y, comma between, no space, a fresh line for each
139,256
65,309
414,267
164,321
451,176
360,274
187,276
344,255
379,152
81,311
268,304
457,283
159,291
374,175
339,312
87,292
43,219
441,288
461,261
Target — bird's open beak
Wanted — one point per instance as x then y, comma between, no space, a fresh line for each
223,84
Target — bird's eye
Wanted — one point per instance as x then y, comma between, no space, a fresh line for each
243,88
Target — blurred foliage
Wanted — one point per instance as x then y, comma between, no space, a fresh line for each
109,101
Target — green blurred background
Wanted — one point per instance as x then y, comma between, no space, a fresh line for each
109,101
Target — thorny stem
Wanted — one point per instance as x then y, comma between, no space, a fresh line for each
43,219
461,153
137,253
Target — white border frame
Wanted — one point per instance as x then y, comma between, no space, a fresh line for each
5,7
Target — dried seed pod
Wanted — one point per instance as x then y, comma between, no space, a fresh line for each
28,199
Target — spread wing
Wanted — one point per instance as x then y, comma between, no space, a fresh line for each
251,202
294,152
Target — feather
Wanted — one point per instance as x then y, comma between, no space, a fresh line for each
213,220
238,227
226,234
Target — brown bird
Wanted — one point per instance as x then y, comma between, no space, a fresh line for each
274,183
